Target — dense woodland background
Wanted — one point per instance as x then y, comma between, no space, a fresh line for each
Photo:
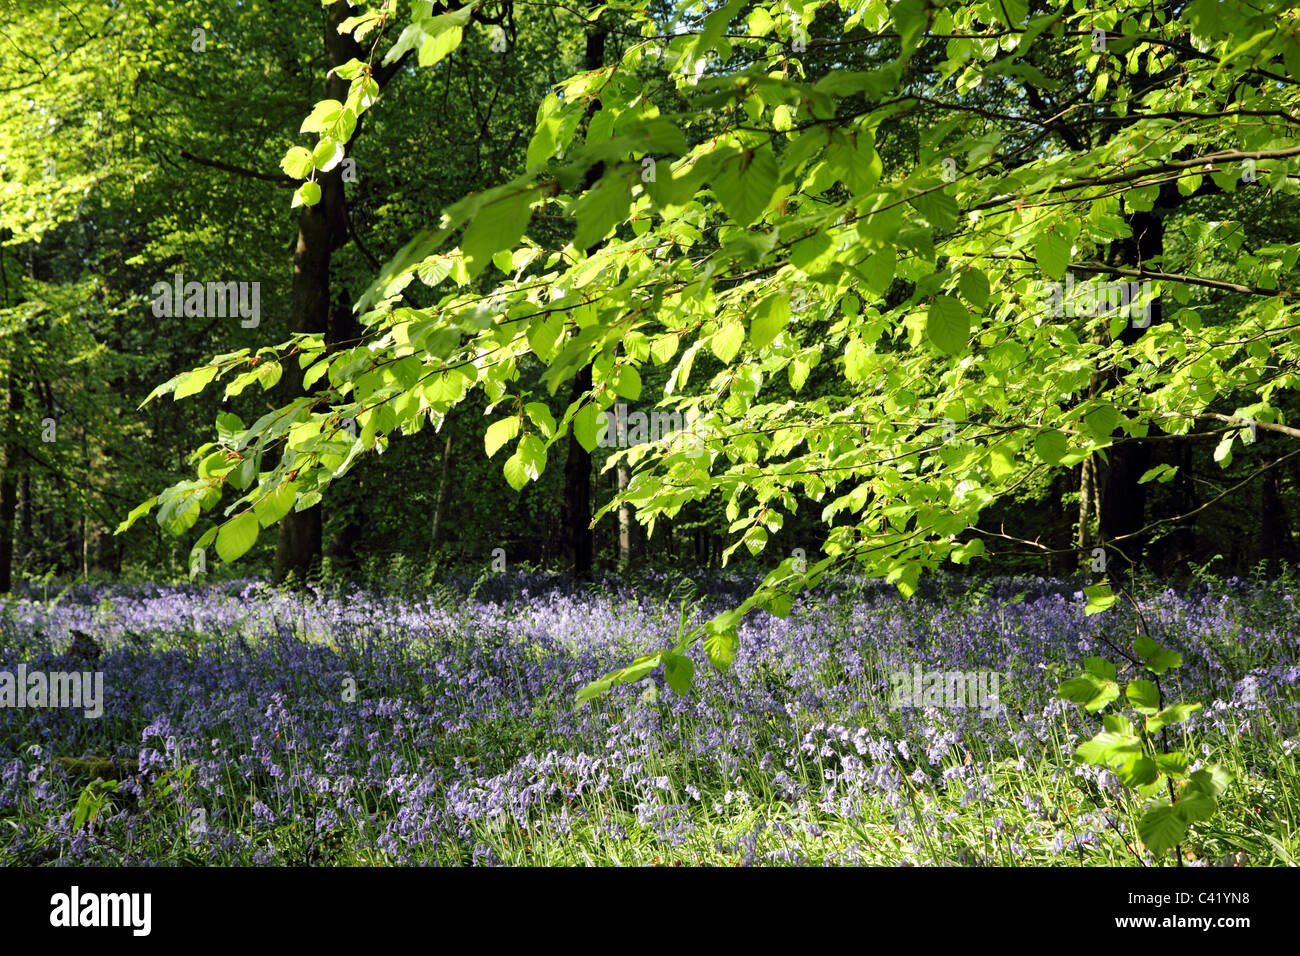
130,151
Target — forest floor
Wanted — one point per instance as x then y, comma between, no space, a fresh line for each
244,725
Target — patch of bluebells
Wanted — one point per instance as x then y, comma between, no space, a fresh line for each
337,725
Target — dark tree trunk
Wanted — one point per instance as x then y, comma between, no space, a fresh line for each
24,515
298,545
577,466
577,492
344,330
9,487
8,479
1122,511
1087,510
322,228
440,504
1274,523
1178,546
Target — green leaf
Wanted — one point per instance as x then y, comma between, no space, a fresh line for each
1012,13
308,194
638,669
1109,693
1196,806
500,432
1088,690
458,18
1052,250
1099,598
1118,724
435,48
664,348
1173,714
1163,473
746,182
269,374
323,116
1051,445
326,154
1174,764
770,319
627,382
586,426
659,135
939,209
353,67
229,425
910,18
594,689
679,671
532,452
974,285
1101,421
1161,828
297,163
1135,770
1157,659
1080,689
857,361
1212,780
242,477
138,512
272,507
542,146
1223,451
1144,696
191,383
1099,668
515,471
541,416
948,324
237,535
601,209
544,336
721,647
214,465
180,509
726,342
1108,748
878,270
498,224
779,604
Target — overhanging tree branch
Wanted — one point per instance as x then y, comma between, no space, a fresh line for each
279,179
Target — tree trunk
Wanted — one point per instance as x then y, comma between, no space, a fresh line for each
344,330
440,505
9,488
577,466
8,479
24,515
1274,524
624,521
1122,511
298,545
1087,493
322,228
577,492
